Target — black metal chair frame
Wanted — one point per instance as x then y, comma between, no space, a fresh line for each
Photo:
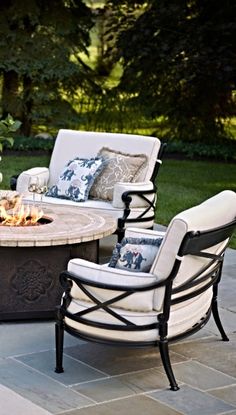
194,243
142,194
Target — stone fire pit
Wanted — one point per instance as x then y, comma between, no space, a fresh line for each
32,257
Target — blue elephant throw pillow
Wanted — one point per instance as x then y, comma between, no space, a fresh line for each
135,254
76,179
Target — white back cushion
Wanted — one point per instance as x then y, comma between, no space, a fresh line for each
214,212
71,143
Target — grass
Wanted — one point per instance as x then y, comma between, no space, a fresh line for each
184,183
181,183
11,165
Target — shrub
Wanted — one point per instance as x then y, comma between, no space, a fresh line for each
223,151
22,143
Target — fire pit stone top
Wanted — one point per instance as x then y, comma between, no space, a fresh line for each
69,225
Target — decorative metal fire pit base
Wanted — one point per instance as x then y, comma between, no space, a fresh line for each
29,283
32,258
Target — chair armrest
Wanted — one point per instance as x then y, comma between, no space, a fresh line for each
41,173
134,190
128,196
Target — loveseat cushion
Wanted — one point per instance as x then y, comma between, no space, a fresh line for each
74,143
135,254
120,167
76,179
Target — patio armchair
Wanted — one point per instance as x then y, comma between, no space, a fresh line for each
125,186
121,305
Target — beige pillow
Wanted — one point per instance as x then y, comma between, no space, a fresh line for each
120,167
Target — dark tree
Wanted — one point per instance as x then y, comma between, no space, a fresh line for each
40,42
179,61
110,22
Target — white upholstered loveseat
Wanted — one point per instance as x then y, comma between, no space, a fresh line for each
132,202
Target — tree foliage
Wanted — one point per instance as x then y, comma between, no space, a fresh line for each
111,20
37,41
179,61
8,126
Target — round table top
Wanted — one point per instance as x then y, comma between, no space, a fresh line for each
70,225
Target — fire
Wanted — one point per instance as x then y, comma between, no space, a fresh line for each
20,215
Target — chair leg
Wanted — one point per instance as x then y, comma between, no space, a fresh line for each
164,351
215,313
216,316
59,336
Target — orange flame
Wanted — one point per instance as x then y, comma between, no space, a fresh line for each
21,215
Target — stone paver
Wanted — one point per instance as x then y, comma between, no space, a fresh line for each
119,360
132,406
228,394
212,352
192,402
201,376
38,388
228,318
23,338
123,385
12,403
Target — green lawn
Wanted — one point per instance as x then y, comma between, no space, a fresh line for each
11,165
181,183
184,183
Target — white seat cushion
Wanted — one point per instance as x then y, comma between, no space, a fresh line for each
182,318
142,301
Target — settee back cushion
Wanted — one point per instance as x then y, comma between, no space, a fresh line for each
214,212
84,144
